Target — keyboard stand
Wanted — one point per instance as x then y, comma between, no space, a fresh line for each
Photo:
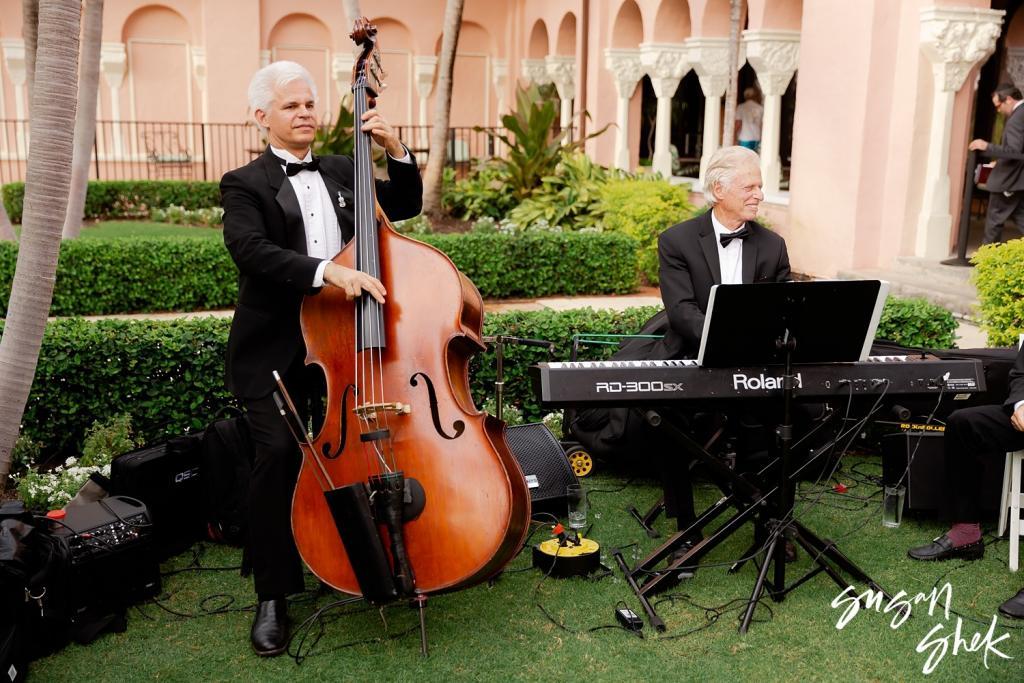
646,578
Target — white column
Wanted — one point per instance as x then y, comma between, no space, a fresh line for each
1015,65
774,55
954,40
114,65
562,72
14,57
342,64
499,77
423,73
535,71
626,68
264,58
665,64
709,57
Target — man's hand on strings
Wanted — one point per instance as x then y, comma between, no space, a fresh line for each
382,133
353,282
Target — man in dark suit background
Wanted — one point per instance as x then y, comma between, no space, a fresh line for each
727,246
1006,181
972,435
286,214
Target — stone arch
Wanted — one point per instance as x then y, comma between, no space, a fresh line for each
715,21
159,80
672,22
628,27
472,92
775,14
537,48
566,44
397,49
305,39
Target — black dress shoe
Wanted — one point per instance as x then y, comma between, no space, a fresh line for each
942,549
1014,607
269,633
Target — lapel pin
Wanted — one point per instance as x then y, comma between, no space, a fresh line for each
341,201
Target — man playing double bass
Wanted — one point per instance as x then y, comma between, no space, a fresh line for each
286,214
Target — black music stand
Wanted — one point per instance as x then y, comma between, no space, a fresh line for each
758,326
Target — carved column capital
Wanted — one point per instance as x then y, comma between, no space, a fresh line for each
14,56
113,63
562,72
626,69
499,73
665,64
955,39
1015,65
774,56
709,58
535,71
423,69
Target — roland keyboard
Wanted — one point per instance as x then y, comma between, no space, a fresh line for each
650,382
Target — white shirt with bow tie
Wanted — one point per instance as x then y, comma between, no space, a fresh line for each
730,258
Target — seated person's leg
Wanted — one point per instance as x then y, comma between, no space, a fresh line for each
972,434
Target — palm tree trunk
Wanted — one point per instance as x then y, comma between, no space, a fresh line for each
52,124
85,120
442,109
6,229
29,31
352,10
729,125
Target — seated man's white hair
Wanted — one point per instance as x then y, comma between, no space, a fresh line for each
273,76
722,168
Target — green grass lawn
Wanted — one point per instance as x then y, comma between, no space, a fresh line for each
106,229
198,628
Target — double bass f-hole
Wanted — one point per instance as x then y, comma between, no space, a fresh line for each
458,425
326,448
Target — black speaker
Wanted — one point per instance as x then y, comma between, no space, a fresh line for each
544,464
926,479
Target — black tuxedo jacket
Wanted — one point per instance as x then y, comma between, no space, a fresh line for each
264,232
1008,174
689,267
1016,379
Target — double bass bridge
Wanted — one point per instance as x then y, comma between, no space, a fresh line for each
372,411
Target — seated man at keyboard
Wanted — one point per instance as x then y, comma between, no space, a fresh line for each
971,435
725,246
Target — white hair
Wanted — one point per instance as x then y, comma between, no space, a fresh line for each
722,168
267,80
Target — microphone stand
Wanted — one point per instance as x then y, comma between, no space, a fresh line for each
499,342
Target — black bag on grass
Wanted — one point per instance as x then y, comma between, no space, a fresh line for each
227,468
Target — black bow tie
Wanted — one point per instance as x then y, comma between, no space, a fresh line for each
311,165
727,237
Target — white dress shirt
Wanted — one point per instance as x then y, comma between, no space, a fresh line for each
323,234
730,258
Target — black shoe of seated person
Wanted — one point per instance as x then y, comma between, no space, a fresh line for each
942,548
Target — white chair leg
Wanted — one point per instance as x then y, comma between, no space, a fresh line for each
1004,501
1014,510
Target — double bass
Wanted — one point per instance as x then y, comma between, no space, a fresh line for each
407,489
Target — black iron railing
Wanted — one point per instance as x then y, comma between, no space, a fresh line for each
142,150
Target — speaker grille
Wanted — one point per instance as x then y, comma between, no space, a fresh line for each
543,462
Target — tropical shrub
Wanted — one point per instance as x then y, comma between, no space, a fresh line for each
999,278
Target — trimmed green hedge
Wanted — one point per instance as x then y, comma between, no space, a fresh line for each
134,274
917,323
128,198
140,274
170,374
999,278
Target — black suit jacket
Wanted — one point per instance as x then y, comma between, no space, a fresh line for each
1016,381
1008,174
264,232
689,267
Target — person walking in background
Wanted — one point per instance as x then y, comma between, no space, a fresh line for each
748,120
1005,183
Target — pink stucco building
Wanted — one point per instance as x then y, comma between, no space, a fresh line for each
868,104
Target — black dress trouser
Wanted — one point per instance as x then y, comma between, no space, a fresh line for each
276,565
972,435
